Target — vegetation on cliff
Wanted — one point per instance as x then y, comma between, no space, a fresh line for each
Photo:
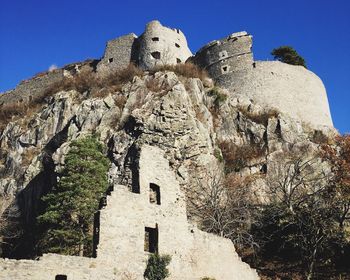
69,215
288,55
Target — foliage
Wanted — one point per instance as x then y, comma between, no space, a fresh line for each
298,224
157,267
223,206
207,278
288,55
339,158
70,207
237,157
188,70
218,96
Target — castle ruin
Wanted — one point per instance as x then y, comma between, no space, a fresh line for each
290,89
148,218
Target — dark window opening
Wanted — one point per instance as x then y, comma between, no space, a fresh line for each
178,60
61,277
178,31
151,239
155,39
177,45
224,69
110,60
263,169
156,55
154,193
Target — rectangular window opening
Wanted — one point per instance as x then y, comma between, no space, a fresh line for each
155,39
154,193
110,60
151,239
61,277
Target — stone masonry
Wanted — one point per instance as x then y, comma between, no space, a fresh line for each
288,88
126,224
229,61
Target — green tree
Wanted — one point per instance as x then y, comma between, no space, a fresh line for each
157,267
288,55
67,221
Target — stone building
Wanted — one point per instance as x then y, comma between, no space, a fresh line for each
230,54
158,45
148,218
288,88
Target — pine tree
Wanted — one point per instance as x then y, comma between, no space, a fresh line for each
288,55
70,207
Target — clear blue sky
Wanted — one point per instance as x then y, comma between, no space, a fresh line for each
35,34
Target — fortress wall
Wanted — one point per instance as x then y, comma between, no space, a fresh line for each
34,87
161,45
118,53
227,55
291,89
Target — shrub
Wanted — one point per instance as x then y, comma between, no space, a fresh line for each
237,157
259,117
188,70
218,96
288,55
157,267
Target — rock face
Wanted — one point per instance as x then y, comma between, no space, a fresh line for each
180,123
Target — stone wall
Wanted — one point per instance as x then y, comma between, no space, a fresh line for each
162,45
119,53
34,87
227,55
121,250
290,89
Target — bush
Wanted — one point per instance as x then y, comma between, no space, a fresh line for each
157,267
259,117
218,96
288,55
237,157
187,70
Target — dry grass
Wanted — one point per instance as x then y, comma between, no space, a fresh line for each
187,70
237,157
261,117
86,80
28,155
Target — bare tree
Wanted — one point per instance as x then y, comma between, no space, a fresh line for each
222,205
299,211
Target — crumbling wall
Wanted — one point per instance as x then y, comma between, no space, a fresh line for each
119,53
31,88
122,251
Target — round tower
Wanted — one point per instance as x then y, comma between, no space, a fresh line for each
230,54
160,45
